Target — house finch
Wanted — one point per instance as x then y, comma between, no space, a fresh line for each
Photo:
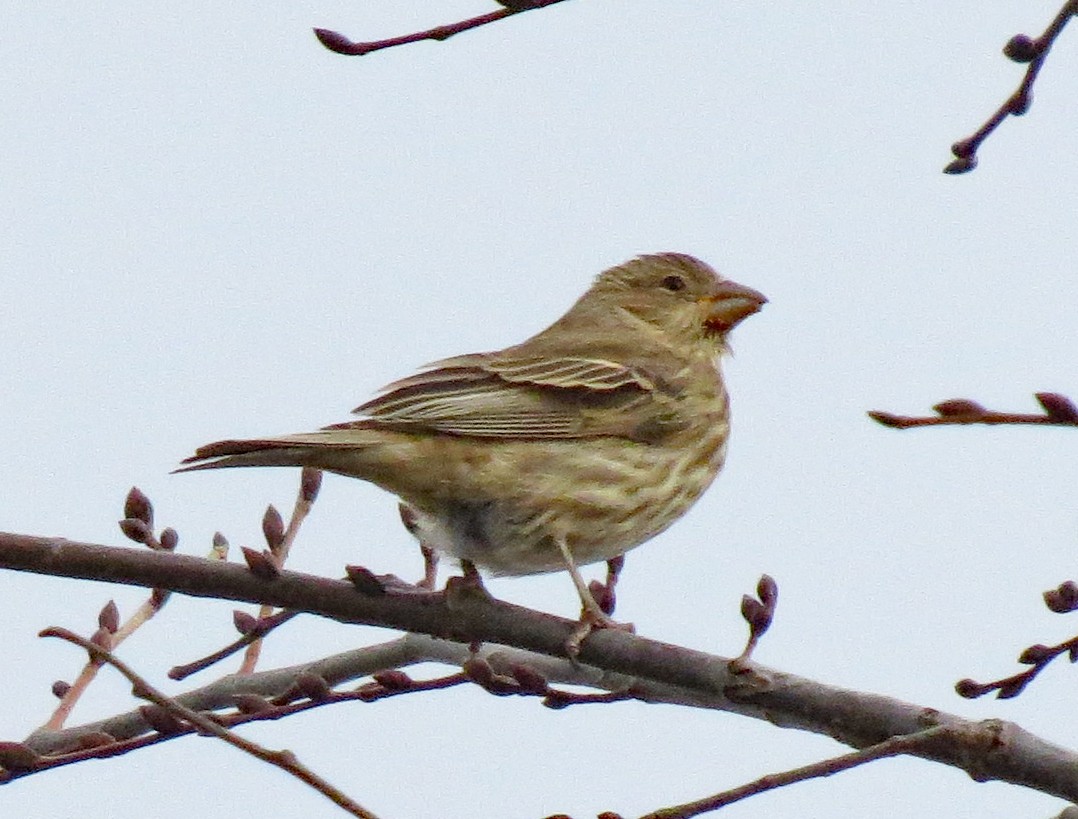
570,448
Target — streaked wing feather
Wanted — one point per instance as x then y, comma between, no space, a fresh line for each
516,398
589,373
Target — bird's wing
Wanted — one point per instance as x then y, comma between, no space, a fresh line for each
518,397
549,370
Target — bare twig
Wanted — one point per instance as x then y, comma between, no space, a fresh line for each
262,627
532,673
1061,600
1059,411
1037,657
337,42
285,760
137,525
888,748
1021,49
279,540
758,612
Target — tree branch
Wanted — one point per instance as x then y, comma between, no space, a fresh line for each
855,718
1021,49
285,760
340,44
1059,411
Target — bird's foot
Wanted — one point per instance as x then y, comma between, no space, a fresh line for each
592,617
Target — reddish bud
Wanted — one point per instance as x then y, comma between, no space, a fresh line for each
756,614
959,406
313,686
137,530
138,507
161,720
768,591
555,701
273,528
1036,655
102,638
479,671
339,43
109,617
1022,48
140,691
1063,598
310,482
369,692
530,680
888,419
14,756
603,596
60,689
971,689
963,164
393,680
252,703
1012,688
1058,407
365,581
170,539
262,564
243,622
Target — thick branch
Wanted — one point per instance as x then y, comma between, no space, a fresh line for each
858,719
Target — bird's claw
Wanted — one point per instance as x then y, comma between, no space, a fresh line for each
592,619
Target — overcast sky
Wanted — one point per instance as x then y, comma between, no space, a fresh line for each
213,227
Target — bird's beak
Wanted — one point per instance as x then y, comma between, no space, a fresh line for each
729,304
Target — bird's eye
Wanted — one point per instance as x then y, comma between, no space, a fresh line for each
674,283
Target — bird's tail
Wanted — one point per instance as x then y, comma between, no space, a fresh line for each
336,450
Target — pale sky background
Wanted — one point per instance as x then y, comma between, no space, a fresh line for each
213,227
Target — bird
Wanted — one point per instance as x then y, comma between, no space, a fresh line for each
570,448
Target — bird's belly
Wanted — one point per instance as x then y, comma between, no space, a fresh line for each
601,501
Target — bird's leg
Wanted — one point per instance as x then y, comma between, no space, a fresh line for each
410,519
430,567
471,575
592,615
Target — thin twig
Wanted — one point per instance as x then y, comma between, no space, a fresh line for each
137,525
1037,657
280,545
1021,49
889,747
1059,411
337,42
285,760
263,627
1061,600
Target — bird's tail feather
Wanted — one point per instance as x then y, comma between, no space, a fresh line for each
328,449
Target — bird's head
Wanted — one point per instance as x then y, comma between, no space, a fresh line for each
678,295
